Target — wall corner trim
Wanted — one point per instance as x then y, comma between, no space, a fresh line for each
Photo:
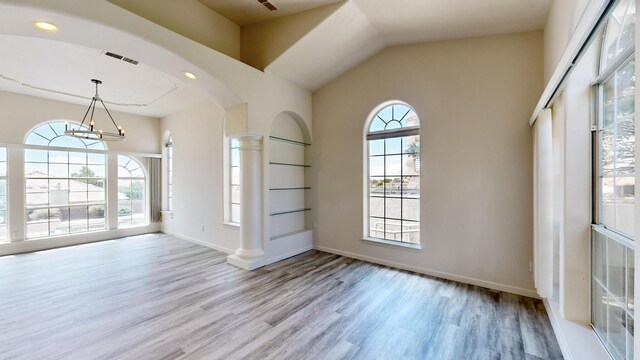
200,242
439,274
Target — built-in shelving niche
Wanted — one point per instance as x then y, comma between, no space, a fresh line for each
290,213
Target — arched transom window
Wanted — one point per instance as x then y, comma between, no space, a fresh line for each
393,140
52,134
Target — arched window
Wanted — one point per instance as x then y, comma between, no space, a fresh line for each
169,146
393,140
612,251
65,190
131,193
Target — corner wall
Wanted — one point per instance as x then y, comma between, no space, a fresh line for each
198,178
473,97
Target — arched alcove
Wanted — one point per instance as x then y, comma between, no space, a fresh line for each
289,209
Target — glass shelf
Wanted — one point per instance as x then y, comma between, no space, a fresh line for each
288,211
294,142
287,164
291,188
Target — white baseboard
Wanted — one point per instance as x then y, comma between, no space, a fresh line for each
439,274
288,255
200,242
232,251
577,342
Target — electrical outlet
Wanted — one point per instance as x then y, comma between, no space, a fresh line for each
202,228
530,266
314,225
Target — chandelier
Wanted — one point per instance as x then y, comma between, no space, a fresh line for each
93,134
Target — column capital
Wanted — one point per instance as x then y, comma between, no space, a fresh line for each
249,141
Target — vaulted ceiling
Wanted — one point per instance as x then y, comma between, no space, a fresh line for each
309,42
359,28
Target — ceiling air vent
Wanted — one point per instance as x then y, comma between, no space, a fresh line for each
268,5
120,57
131,61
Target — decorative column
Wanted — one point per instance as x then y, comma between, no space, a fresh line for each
250,254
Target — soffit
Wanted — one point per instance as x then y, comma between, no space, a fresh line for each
249,12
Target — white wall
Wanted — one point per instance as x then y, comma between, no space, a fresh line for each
198,177
473,98
19,114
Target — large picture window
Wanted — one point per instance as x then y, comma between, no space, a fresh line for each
65,190
612,252
393,141
4,236
131,193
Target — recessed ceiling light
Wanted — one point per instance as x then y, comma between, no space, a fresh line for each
45,26
189,75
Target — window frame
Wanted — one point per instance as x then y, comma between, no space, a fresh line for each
131,179
233,150
169,187
381,135
612,249
5,177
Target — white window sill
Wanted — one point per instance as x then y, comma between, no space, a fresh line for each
577,341
391,243
232,225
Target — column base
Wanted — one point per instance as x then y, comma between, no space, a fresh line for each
244,263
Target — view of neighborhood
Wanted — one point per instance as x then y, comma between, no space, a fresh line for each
65,193
394,178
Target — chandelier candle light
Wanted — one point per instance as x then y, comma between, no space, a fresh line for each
91,133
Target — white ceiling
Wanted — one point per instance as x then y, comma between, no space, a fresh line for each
249,12
62,71
325,52
415,21
359,28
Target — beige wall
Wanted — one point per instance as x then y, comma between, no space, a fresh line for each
473,98
19,114
263,42
191,19
198,177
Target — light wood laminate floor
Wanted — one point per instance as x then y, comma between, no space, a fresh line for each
158,297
